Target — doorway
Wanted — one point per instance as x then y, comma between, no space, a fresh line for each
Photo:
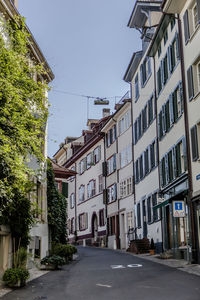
122,232
144,219
94,227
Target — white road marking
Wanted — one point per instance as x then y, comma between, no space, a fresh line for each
134,266
104,285
117,267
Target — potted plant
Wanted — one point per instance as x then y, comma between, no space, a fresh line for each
152,247
15,277
52,262
66,251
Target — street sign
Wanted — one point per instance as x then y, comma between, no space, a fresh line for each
178,209
198,177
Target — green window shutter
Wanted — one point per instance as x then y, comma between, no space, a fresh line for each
194,143
190,83
65,189
178,160
186,27
175,105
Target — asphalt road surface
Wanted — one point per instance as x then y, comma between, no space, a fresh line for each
105,274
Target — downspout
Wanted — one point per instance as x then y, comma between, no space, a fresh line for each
105,183
75,234
157,145
186,121
134,196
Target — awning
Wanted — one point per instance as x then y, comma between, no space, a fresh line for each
164,203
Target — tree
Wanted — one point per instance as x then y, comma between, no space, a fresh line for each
23,116
57,209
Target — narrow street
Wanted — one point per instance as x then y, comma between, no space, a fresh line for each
106,274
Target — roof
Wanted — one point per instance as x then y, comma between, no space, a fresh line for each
138,17
61,172
135,60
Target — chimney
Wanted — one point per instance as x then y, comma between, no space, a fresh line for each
106,112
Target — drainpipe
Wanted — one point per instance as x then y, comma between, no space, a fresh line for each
105,183
157,144
187,135
134,196
76,236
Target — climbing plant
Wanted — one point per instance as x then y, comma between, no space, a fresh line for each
57,209
23,116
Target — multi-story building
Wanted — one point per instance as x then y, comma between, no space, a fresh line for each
186,14
86,209
39,244
118,175
140,74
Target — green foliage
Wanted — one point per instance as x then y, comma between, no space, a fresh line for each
65,251
20,258
57,207
13,275
53,260
23,116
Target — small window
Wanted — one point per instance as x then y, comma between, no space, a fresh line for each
72,200
195,16
100,183
138,216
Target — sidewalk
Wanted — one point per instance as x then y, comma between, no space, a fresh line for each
179,264
34,273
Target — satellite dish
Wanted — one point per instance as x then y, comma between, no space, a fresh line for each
100,101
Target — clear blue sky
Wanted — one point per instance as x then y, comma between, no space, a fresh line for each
88,45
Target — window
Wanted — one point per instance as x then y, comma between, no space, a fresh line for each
144,118
136,131
97,154
152,155
111,136
140,126
165,37
82,166
160,125
112,193
137,92
141,166
100,183
167,116
145,70
195,16
129,220
125,156
159,80
177,100
91,189
150,110
174,163
149,209
111,225
138,216
163,174
89,160
174,53
165,69
101,218
124,122
72,200
155,211
72,177
71,226
170,166
137,178
111,164
194,143
83,221
191,20
126,187
146,161
193,79
81,193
